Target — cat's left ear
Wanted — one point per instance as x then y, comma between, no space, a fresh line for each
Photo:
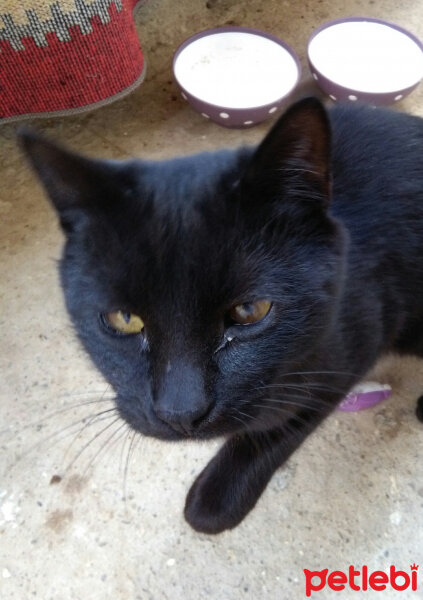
294,158
75,184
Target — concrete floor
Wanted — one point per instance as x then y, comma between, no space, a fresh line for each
353,494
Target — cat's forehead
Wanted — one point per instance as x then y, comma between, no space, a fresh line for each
183,206
177,184
189,253
176,238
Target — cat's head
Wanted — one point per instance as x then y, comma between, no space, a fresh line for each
196,283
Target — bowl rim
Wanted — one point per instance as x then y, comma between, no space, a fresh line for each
332,22
237,29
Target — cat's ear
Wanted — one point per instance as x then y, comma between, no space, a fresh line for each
73,183
294,158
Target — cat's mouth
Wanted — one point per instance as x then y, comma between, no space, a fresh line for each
213,424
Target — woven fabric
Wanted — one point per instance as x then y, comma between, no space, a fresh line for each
59,56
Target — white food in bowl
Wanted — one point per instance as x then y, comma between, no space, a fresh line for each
236,70
367,56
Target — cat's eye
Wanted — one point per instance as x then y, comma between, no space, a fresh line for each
249,312
123,323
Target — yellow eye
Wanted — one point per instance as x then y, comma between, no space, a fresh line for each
250,312
124,322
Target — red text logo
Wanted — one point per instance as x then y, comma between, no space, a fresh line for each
361,580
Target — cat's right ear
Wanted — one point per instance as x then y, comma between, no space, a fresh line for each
74,184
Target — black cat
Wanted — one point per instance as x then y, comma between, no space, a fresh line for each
243,292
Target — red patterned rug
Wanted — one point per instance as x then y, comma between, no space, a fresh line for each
64,56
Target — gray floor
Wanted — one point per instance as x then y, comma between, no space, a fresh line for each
353,494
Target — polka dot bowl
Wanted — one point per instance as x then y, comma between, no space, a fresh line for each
365,60
236,76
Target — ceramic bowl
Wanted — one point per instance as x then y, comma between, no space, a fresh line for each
365,60
236,76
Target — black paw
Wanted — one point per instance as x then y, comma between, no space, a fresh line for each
230,485
208,508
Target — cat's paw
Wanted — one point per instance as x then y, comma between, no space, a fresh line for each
210,506
230,485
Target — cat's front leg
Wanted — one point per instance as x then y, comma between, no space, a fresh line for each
230,485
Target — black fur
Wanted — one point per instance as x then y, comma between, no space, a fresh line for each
325,219
419,409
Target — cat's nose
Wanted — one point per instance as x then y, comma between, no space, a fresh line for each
180,398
